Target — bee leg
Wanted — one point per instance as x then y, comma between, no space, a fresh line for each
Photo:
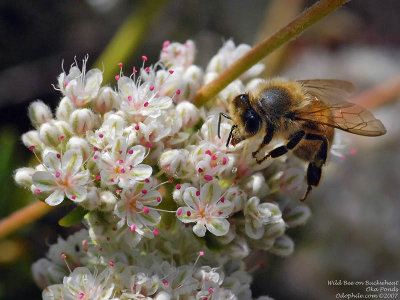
267,138
293,142
314,169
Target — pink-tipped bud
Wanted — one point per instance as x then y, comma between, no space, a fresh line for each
39,113
105,101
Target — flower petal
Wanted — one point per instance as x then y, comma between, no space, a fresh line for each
141,172
72,161
55,198
51,161
210,193
44,181
218,226
119,148
199,230
190,197
137,156
77,194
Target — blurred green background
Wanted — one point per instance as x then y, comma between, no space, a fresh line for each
354,233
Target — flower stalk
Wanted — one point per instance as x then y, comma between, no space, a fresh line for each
282,36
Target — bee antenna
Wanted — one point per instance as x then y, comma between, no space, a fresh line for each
219,122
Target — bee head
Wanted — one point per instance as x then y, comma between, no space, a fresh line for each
246,118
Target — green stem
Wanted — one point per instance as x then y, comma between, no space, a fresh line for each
282,36
127,38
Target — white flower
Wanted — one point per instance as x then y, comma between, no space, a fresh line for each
207,209
136,205
140,101
257,215
63,176
123,166
177,54
81,284
80,87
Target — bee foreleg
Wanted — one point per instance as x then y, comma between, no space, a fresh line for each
314,169
293,142
267,138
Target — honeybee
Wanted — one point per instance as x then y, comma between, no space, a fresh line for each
305,114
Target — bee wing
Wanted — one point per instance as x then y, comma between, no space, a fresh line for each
330,90
346,116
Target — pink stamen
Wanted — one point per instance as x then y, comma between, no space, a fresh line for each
123,171
201,253
200,170
222,199
208,152
170,180
61,137
224,161
197,193
208,177
66,83
73,197
144,58
130,151
171,71
353,152
144,192
84,243
234,182
120,161
101,135
147,69
111,263
117,77
147,180
118,192
133,227
112,179
32,148
165,282
158,199
137,127
134,71
146,210
188,213
63,256
98,177
120,64
156,231
149,145
37,191
220,213
151,88
178,186
179,212
95,157
58,174
146,104
214,157
95,148
120,151
129,98
178,92
58,155
81,295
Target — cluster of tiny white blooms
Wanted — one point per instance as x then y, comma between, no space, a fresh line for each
153,176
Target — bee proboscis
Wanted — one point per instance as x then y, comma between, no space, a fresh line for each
305,114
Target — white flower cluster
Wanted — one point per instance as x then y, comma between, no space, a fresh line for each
150,170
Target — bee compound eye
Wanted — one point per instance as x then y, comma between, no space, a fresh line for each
243,97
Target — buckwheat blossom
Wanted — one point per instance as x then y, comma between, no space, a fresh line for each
153,173
206,208
63,177
122,166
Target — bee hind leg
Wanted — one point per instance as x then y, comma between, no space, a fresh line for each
314,169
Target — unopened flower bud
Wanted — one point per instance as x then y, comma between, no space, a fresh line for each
65,109
79,144
82,120
177,194
49,135
162,296
283,246
39,113
173,161
32,140
92,200
64,129
238,248
189,113
274,230
298,215
107,201
105,100
23,177
255,185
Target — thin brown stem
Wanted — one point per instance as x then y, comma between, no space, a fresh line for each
379,94
23,217
285,34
